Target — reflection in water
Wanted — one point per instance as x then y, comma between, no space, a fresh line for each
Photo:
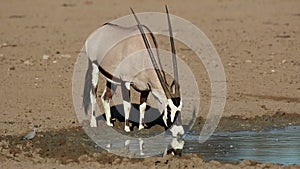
133,147
136,147
175,147
275,146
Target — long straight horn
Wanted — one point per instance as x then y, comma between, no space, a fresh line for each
159,75
175,69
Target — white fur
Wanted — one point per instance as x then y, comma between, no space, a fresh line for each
177,144
95,73
175,130
165,117
174,109
127,107
142,114
106,105
93,122
111,81
127,85
141,144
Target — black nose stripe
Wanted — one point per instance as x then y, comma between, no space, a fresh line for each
169,123
176,101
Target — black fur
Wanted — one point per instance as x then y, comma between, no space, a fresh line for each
176,101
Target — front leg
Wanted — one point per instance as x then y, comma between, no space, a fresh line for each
125,88
143,105
106,97
162,99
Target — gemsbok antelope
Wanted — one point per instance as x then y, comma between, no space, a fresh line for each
145,81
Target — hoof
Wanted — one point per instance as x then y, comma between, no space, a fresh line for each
141,127
109,124
127,129
93,123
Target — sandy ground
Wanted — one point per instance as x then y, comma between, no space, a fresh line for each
258,42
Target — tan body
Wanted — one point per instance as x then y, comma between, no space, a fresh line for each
120,55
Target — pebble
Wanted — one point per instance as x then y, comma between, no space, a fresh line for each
4,144
27,62
245,163
84,159
66,56
116,161
69,161
46,57
7,45
215,163
3,45
54,61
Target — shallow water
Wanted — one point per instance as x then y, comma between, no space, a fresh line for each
281,146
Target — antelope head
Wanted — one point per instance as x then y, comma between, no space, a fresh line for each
172,114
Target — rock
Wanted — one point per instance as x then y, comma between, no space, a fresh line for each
67,161
65,56
248,163
4,144
15,151
3,45
214,163
116,161
84,159
27,62
7,45
245,163
46,57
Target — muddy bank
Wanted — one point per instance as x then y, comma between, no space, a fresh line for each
72,145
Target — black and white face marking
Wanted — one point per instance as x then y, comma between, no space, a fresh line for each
175,147
172,116
173,109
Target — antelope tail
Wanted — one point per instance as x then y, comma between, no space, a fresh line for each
87,87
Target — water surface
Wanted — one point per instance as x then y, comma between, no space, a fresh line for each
280,146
